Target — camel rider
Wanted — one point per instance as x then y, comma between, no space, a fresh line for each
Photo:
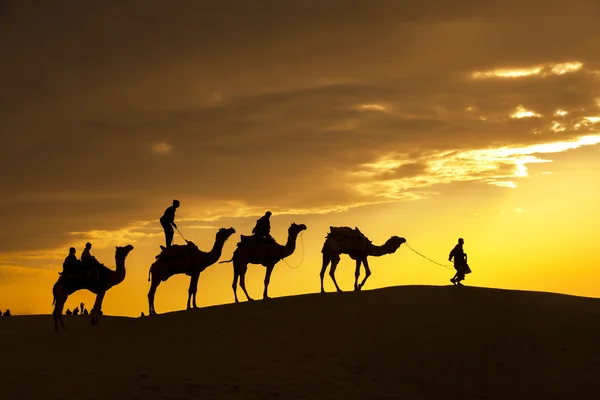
89,261
262,230
459,256
167,221
71,261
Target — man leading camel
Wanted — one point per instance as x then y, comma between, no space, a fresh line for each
167,221
460,263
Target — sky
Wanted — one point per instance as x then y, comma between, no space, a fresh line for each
429,120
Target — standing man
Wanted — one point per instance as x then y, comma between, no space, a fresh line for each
459,256
167,221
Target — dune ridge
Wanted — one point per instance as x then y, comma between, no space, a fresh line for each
410,342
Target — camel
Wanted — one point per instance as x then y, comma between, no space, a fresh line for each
265,254
359,255
185,259
107,278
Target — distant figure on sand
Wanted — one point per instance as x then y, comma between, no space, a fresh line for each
68,312
6,313
262,230
167,221
460,262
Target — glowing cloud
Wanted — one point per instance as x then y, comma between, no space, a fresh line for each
560,113
492,166
521,112
161,148
371,107
541,70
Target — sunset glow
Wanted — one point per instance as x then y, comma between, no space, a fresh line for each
430,123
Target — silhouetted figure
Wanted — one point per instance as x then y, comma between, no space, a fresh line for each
107,278
267,256
81,307
90,263
85,311
6,313
68,312
345,240
167,221
460,262
262,230
76,311
71,262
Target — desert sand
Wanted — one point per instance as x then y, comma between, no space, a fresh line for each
413,342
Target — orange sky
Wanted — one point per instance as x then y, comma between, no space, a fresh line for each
431,122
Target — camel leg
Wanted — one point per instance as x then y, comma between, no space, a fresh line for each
151,294
243,283
334,263
192,291
60,298
357,274
234,285
57,312
267,280
326,261
97,309
367,273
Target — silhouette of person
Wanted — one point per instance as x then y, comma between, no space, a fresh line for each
76,311
460,262
86,257
68,312
70,261
167,221
81,307
262,229
6,313
85,312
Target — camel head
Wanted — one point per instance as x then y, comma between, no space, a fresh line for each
122,252
296,229
394,243
225,233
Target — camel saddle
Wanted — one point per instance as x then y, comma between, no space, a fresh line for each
247,240
345,238
175,250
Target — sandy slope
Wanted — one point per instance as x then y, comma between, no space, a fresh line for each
402,343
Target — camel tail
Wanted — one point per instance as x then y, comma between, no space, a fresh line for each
227,261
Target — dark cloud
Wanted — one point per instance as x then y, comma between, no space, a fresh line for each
259,102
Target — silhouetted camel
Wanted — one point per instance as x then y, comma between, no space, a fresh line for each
69,284
265,254
333,256
185,259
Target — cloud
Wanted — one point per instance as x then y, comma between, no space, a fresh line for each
256,109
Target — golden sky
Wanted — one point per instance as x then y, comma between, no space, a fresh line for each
431,120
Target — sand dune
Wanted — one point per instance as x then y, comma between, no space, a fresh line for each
414,342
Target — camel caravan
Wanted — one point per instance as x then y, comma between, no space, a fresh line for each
260,248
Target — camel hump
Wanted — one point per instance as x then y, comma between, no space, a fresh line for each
173,251
344,238
345,232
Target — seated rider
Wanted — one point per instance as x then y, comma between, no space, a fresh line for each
88,260
71,261
262,230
